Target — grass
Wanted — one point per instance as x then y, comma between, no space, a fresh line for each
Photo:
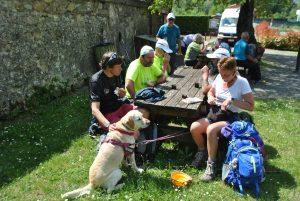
47,152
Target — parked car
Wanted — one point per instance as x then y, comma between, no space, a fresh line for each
227,31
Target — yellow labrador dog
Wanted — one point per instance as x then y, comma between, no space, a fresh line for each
105,170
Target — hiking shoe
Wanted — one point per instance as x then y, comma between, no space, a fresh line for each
210,172
94,130
101,139
199,158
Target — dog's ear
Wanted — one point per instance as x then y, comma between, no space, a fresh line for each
130,123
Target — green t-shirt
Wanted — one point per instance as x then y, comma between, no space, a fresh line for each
193,50
140,75
158,62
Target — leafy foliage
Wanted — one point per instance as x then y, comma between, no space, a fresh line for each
271,38
263,8
273,8
161,5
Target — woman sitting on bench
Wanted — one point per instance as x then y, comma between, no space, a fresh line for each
229,93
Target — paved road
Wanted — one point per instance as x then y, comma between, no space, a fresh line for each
278,77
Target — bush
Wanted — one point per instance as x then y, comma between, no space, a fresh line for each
193,24
271,38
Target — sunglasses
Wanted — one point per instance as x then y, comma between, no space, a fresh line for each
171,19
112,57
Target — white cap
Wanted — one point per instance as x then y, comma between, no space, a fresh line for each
170,15
146,50
163,44
220,53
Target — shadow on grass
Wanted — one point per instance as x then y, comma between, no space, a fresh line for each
35,137
276,178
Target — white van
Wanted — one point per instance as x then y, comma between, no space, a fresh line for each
228,25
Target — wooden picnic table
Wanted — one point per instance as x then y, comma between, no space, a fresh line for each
185,81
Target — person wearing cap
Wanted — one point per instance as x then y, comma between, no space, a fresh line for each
243,57
105,94
162,57
171,33
217,55
228,95
141,73
194,49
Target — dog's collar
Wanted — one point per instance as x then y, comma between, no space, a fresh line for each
130,133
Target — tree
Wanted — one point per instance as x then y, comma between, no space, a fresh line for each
245,21
161,5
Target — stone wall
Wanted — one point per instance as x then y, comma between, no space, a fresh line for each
48,43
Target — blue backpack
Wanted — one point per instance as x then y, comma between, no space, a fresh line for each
243,167
244,130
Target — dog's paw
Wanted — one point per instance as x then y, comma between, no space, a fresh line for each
140,170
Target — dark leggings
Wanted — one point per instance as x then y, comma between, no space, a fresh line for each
254,69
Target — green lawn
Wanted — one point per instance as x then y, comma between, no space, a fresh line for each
47,152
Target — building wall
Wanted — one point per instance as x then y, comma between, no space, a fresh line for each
47,44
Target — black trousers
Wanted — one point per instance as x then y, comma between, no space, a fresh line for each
173,64
254,69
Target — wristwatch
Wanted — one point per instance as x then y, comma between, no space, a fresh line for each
107,125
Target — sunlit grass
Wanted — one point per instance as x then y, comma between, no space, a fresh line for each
49,153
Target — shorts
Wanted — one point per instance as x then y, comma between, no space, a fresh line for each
115,116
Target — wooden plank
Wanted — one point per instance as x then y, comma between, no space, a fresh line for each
177,77
190,87
187,73
187,87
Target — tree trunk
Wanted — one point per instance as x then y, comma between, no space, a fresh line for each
245,21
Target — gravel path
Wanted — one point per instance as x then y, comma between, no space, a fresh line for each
278,77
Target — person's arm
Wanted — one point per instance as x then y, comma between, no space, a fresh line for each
211,99
204,47
179,42
95,106
159,33
161,78
129,84
205,84
246,104
166,63
249,57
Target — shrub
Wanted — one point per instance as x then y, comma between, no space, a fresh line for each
271,38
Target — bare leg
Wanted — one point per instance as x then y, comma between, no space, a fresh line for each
198,129
213,131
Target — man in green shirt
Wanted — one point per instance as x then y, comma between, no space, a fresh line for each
141,73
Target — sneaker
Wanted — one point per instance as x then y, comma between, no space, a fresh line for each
94,130
101,139
210,172
199,158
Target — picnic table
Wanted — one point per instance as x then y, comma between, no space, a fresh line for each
185,82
